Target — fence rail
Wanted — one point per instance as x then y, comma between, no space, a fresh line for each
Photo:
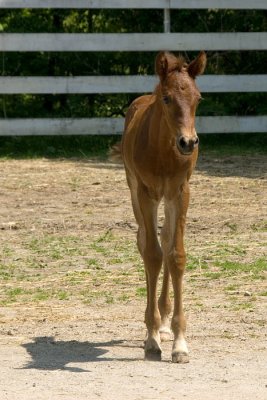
107,126
132,41
58,42
125,84
142,4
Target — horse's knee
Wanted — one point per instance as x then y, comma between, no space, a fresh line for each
150,251
141,241
176,261
152,256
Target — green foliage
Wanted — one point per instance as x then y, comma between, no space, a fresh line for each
56,147
120,63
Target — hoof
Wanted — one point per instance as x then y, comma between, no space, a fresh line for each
152,350
180,357
153,355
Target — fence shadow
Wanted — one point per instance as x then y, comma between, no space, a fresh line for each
48,354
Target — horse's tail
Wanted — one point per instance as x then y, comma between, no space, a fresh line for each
115,153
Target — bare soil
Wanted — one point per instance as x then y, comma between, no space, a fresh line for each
72,303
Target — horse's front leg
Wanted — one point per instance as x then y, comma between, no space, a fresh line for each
164,301
152,255
174,256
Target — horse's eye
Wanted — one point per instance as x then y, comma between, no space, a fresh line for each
166,99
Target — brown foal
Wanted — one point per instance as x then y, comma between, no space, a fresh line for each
159,149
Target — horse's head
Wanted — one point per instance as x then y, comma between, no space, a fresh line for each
180,96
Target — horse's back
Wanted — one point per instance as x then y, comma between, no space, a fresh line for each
133,121
139,105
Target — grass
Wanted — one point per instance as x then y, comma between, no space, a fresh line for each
56,147
107,268
260,226
55,246
67,267
141,292
254,269
97,146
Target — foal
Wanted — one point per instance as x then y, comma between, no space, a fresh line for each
159,149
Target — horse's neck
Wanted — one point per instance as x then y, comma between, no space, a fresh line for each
159,134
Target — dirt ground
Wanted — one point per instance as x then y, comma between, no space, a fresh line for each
72,294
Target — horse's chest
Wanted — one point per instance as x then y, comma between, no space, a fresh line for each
161,185
154,185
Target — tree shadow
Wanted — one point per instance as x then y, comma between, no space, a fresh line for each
249,166
219,165
48,354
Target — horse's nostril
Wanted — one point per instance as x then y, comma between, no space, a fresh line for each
182,142
187,145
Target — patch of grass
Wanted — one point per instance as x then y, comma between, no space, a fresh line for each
232,226
15,292
243,306
108,269
93,263
255,269
109,298
90,295
223,250
7,252
124,298
115,250
259,226
96,281
62,295
7,271
55,247
195,263
18,294
213,275
141,292
231,288
13,295
42,295
77,277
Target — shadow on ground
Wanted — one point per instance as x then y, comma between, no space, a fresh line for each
48,354
246,166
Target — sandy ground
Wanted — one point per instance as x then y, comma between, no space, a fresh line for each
70,350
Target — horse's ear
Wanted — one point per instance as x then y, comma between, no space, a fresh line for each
161,65
167,62
197,66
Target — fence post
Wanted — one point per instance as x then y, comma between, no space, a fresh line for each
167,20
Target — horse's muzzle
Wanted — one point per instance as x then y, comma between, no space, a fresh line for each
185,145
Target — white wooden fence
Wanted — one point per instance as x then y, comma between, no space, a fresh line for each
129,84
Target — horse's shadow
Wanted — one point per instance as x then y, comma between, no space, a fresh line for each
48,354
